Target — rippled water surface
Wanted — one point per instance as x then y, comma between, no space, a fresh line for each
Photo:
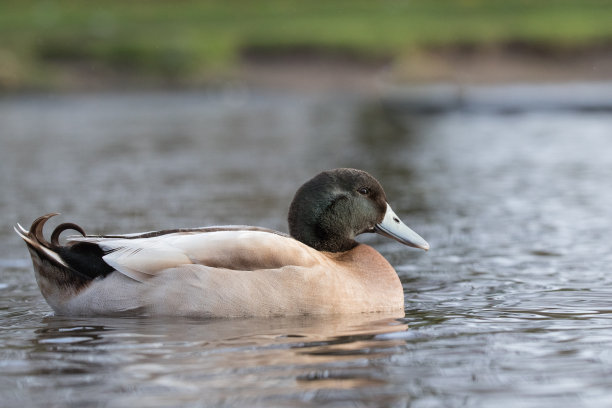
510,308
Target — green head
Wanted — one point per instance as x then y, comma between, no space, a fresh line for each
335,206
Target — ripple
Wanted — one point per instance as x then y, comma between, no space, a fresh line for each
64,340
15,263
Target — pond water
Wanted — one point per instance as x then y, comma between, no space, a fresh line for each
512,306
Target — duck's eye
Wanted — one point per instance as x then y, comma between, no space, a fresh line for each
364,191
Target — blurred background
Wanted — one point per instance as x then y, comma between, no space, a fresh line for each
66,44
488,123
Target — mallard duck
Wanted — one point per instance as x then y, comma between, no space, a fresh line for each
232,271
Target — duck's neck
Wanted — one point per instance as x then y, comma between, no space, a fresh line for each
321,238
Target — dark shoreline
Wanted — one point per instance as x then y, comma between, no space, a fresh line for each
325,70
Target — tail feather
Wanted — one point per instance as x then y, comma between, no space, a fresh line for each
20,230
40,249
36,230
63,227
37,242
73,265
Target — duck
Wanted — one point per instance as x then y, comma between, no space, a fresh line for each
234,271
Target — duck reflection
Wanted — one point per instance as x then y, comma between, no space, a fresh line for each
303,345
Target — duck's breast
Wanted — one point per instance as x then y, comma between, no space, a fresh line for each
356,282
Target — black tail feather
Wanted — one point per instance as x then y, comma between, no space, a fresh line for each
82,259
63,227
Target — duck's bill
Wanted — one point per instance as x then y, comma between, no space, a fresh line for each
392,227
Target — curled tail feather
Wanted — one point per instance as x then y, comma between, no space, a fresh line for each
37,242
72,265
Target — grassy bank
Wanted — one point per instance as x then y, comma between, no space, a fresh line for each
43,43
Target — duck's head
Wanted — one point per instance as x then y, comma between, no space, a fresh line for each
335,206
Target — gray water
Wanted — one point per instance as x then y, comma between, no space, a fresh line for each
510,308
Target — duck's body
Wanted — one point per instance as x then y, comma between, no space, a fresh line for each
223,271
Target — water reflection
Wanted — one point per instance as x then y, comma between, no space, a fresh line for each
330,330
198,358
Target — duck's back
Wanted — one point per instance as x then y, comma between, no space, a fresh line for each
142,258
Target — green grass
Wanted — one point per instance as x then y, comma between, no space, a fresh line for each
184,39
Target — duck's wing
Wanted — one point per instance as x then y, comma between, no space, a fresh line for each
141,256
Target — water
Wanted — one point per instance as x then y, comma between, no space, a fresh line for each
511,307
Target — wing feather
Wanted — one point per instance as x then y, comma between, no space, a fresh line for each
246,250
141,263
